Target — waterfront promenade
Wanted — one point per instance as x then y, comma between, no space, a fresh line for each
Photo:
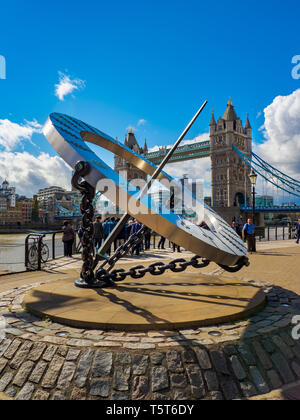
254,358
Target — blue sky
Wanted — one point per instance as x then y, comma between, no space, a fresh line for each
145,60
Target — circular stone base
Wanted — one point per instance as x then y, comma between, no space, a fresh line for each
172,301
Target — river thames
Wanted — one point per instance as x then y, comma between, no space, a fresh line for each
12,251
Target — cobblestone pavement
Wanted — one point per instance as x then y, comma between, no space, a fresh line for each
40,360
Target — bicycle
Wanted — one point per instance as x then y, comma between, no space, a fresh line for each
33,252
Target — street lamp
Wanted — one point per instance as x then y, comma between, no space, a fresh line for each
253,179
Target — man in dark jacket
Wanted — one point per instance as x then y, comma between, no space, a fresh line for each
98,233
68,239
298,231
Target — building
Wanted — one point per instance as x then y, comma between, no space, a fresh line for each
9,193
123,167
230,175
45,193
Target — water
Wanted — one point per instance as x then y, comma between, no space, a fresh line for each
12,251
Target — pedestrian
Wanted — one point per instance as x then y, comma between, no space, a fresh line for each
236,228
176,247
248,234
147,237
108,227
98,233
161,243
68,239
135,227
298,231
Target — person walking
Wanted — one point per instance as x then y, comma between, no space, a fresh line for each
98,233
298,231
236,228
161,243
68,239
108,227
135,227
176,247
147,237
248,234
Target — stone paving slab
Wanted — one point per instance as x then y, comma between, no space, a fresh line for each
40,360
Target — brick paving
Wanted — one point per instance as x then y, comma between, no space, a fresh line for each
40,360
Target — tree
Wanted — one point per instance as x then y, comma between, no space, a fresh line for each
35,211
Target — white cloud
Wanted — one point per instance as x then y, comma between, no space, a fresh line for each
29,173
141,122
66,86
12,134
282,133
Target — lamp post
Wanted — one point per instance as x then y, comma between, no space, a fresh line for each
253,179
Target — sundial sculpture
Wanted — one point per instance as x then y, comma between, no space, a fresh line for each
216,241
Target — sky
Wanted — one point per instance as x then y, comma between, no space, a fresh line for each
147,65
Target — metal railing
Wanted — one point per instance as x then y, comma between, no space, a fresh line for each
38,252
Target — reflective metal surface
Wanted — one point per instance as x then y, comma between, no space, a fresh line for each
219,244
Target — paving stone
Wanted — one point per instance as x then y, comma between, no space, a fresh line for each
109,344
83,368
72,355
215,396
296,369
4,346
258,380
62,351
188,356
23,373
287,338
274,379
157,358
102,364
21,355
37,351
5,380
49,353
121,378
230,350
174,362
203,358
139,346
66,375
100,388
178,381
41,395
53,371
160,379
238,369
78,394
230,389
160,397
248,389
140,364
12,349
268,345
120,396
123,358
11,392
140,388
58,396
38,372
287,352
219,361
211,380
3,364
197,384
26,392
283,368
246,354
262,355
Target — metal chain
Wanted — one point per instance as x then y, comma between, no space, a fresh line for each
87,210
176,266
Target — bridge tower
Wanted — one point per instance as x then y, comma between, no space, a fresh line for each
230,182
125,168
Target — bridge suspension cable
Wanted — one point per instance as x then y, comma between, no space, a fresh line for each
272,175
